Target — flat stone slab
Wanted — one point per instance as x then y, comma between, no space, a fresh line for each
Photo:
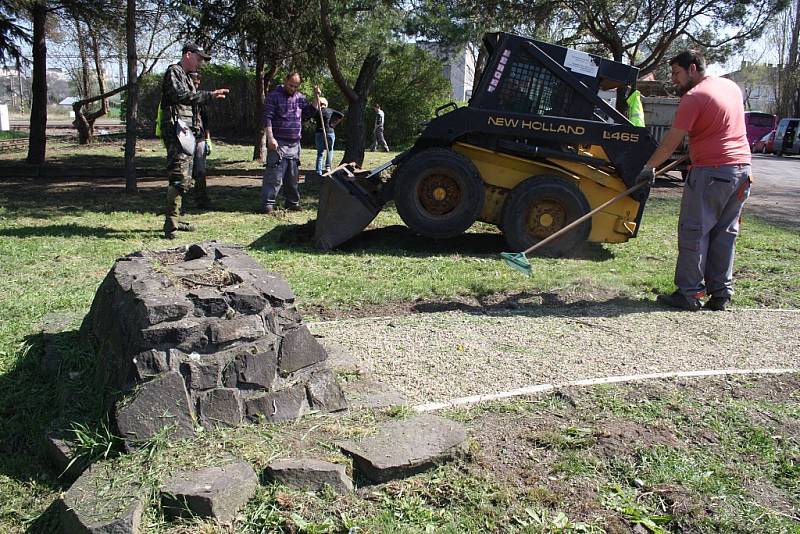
403,448
98,504
310,475
160,403
216,492
368,393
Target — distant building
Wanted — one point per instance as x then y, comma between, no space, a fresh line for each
758,83
458,67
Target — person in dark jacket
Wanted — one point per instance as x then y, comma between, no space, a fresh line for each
331,118
180,101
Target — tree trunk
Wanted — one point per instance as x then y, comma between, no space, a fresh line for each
132,104
260,145
37,142
85,122
83,84
356,111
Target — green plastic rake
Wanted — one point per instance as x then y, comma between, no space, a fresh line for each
519,260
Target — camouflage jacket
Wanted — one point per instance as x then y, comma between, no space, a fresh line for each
179,100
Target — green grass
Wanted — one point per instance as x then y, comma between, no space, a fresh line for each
13,134
57,244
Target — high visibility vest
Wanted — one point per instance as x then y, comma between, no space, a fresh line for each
635,109
158,121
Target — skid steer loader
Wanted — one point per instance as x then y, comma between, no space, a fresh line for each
535,149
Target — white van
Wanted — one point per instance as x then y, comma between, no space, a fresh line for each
787,137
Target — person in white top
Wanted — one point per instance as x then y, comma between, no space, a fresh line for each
379,121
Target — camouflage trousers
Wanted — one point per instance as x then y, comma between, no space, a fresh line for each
179,176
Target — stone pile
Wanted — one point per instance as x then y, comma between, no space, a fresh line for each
203,335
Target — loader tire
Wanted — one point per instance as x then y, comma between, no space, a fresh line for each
539,207
439,193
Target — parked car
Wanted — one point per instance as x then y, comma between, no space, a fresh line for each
787,140
758,124
765,144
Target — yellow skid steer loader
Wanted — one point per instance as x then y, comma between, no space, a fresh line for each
535,149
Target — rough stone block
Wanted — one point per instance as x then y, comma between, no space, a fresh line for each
98,504
220,408
215,492
243,327
310,475
212,303
283,405
156,308
186,335
403,448
299,349
61,455
324,394
272,286
162,402
196,251
202,371
150,363
255,371
245,300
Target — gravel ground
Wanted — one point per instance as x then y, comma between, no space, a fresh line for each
440,356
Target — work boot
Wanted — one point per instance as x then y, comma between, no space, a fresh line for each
679,300
717,303
185,227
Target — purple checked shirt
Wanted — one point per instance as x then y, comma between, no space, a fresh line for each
285,114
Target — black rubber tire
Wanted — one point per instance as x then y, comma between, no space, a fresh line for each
556,200
420,181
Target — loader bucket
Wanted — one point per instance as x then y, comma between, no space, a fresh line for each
346,206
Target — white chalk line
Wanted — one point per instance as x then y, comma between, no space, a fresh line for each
541,388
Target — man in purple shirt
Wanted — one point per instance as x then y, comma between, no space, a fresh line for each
284,110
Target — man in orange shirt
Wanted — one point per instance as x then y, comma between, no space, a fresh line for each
711,112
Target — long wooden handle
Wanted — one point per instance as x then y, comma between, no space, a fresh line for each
602,206
322,124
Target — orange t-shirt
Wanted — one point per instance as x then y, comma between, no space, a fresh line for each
713,114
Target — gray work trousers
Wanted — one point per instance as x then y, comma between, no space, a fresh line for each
281,169
707,229
380,140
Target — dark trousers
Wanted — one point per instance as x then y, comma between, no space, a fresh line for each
179,176
281,170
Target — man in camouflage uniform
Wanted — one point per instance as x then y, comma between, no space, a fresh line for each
180,100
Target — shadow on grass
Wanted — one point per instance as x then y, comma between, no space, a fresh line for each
75,230
540,304
398,240
35,402
99,196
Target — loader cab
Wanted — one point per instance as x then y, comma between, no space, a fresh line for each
520,77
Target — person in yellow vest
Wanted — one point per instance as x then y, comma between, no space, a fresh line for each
635,109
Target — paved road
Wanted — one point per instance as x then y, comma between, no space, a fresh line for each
776,189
